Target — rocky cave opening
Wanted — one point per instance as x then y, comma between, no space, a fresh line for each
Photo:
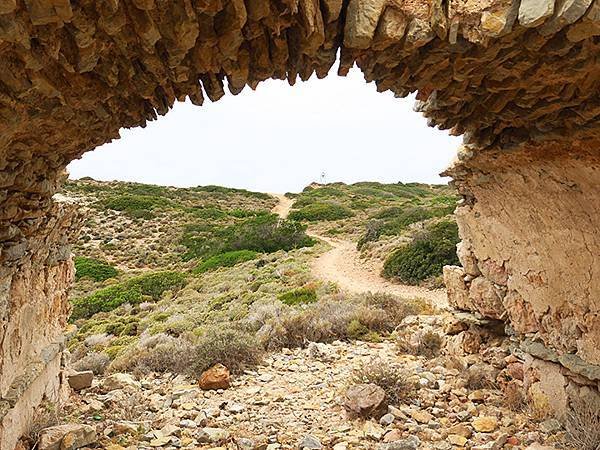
518,78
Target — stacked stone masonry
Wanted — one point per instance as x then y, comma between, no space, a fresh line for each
519,79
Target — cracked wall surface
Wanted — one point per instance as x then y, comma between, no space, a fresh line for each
506,74
530,252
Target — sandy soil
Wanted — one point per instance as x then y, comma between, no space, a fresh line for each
342,265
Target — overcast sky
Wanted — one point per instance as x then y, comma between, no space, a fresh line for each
279,139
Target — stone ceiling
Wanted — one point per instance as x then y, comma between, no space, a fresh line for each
73,73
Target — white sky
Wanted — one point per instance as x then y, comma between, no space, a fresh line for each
279,139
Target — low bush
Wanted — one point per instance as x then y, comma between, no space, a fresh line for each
227,259
395,382
235,349
321,211
136,206
300,296
133,291
395,220
263,234
94,269
96,362
425,256
359,317
159,353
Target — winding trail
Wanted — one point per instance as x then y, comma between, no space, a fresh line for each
342,265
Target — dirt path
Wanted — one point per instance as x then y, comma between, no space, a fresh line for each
342,265
282,209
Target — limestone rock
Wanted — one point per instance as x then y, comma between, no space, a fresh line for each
217,377
533,13
120,381
365,400
212,435
310,442
80,380
67,437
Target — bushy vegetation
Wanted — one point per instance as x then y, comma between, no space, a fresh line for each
335,318
263,233
235,349
226,191
136,206
133,291
426,255
396,383
321,211
227,259
300,296
582,424
94,269
395,220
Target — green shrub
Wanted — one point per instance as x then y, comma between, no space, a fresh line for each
321,211
425,256
300,296
93,268
136,206
228,259
236,350
228,191
263,234
133,291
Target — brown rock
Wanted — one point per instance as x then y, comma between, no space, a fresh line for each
80,380
217,377
67,437
485,424
365,400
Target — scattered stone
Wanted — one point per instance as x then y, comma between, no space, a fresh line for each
387,419
421,416
455,439
217,377
120,381
211,435
310,442
411,443
67,437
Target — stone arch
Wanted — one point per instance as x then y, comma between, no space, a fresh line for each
518,78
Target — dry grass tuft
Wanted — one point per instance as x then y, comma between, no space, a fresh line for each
47,415
582,424
394,381
235,349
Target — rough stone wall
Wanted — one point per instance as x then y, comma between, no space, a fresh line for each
530,252
34,279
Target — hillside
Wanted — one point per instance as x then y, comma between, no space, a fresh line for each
289,298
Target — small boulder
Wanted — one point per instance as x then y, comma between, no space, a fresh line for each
120,381
210,435
80,380
411,443
217,377
365,400
310,442
67,437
